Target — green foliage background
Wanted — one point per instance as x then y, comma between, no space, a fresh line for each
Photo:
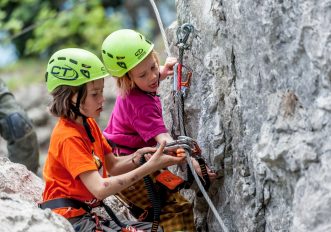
38,28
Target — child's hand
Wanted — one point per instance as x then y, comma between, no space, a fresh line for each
162,160
174,151
211,174
168,68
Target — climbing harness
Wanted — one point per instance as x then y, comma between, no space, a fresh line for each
70,202
153,196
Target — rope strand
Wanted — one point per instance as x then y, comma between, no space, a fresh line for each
205,194
180,101
159,21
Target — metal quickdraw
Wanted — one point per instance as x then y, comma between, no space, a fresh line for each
181,82
183,33
193,150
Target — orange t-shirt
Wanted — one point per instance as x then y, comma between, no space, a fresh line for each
70,154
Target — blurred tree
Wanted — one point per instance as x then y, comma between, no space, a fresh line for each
43,26
40,27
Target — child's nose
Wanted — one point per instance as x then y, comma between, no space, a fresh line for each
154,75
102,98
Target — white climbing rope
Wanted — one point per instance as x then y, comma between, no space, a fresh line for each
159,21
205,194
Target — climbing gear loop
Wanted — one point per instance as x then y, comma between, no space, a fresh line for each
183,32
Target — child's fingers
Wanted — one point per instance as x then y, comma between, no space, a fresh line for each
180,152
148,156
161,147
146,150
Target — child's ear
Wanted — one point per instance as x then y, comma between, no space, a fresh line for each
128,75
73,99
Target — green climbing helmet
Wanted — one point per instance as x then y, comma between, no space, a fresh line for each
73,67
123,49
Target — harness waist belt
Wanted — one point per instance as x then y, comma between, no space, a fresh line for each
64,202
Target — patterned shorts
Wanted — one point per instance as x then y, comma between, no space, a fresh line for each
176,211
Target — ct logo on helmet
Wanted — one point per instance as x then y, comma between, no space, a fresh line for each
67,73
64,73
103,70
139,53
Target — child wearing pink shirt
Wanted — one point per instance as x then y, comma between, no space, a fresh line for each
136,120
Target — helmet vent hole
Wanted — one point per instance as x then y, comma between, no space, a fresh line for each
51,61
86,73
61,58
46,76
122,65
103,51
148,41
73,61
110,55
86,66
120,57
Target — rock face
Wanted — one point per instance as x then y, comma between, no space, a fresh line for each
259,105
20,190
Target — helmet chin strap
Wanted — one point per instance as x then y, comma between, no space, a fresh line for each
78,113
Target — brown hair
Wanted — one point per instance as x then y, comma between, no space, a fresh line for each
125,84
62,105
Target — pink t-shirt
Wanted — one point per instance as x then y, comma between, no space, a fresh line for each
135,121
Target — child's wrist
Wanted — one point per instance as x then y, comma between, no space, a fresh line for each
134,161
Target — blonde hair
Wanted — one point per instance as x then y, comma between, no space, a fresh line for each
125,84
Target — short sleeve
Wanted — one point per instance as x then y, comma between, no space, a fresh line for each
77,156
149,122
106,146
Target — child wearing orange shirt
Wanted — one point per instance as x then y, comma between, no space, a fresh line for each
79,158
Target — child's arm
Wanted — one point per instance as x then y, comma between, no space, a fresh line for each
104,187
163,137
167,68
123,164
